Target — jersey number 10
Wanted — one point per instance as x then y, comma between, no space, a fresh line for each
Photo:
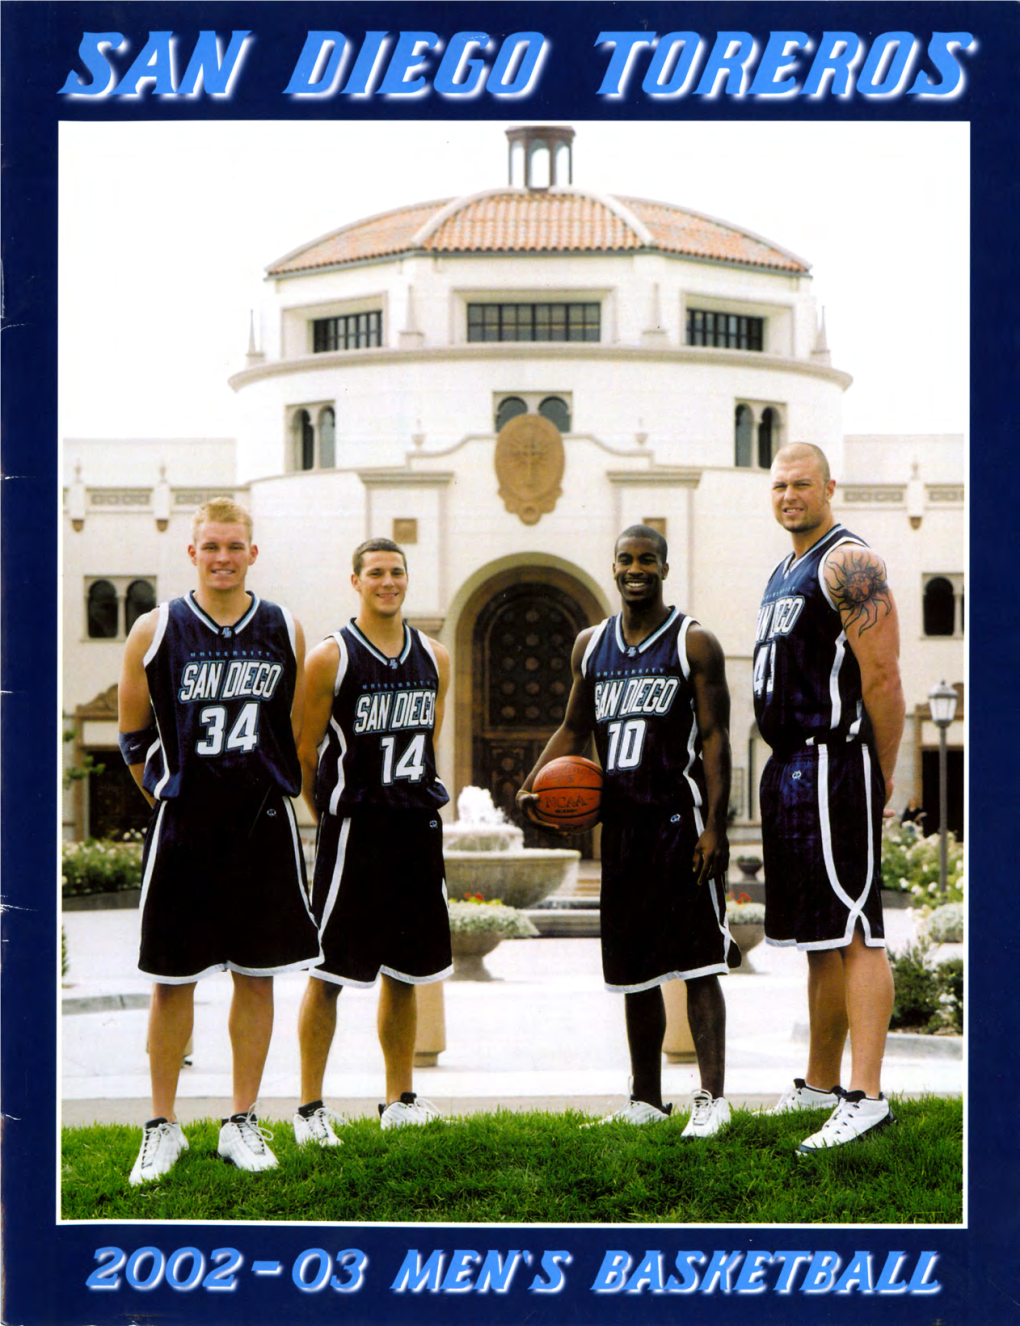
626,744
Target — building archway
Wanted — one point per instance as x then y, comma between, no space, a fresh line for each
514,639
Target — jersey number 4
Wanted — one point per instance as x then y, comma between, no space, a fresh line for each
243,735
411,765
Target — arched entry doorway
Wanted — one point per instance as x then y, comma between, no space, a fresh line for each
518,630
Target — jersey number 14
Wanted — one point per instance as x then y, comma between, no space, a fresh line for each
410,767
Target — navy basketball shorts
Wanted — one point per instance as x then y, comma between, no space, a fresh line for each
656,922
379,894
821,819
224,890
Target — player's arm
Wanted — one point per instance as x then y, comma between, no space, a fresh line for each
571,737
135,722
712,713
320,678
443,668
297,708
855,579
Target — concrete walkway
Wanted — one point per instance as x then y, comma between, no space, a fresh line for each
542,1034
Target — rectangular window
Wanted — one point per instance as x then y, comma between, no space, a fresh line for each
724,331
350,331
534,322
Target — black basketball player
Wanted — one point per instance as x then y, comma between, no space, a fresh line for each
210,696
828,700
376,692
651,684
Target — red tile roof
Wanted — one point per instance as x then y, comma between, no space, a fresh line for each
538,221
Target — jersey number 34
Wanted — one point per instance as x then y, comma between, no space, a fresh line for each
243,734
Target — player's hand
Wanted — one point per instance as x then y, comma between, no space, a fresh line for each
711,856
527,805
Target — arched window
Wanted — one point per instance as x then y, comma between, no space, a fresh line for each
140,598
313,437
768,437
509,408
743,428
304,440
554,408
102,611
939,606
327,438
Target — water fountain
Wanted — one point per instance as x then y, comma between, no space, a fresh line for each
485,854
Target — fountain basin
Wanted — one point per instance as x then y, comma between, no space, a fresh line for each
520,877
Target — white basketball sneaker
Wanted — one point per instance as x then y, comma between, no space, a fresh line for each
709,1115
162,1143
802,1097
243,1142
854,1117
410,1109
316,1127
635,1112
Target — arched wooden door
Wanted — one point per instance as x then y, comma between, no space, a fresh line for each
521,649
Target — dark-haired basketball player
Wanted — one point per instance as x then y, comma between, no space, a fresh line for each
375,697
651,684
210,698
829,702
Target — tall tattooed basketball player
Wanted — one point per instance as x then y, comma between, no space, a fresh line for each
828,700
651,684
376,692
210,697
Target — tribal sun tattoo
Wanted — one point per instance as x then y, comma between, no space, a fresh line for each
859,588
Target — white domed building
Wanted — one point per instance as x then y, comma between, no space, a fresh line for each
501,382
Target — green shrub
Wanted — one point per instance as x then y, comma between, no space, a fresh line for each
944,925
951,980
910,864
477,915
929,996
102,866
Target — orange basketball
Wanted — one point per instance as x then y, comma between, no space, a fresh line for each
569,793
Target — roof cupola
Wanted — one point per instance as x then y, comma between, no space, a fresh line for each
540,156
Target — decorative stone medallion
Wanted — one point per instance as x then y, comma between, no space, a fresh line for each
529,466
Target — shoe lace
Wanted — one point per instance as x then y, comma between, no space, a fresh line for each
153,1138
843,1116
255,1136
701,1108
322,1118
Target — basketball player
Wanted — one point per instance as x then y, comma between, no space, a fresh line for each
828,700
376,692
211,694
651,684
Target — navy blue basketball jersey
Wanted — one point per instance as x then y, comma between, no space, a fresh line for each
646,733
807,683
378,749
222,697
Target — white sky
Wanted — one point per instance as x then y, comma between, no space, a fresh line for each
166,229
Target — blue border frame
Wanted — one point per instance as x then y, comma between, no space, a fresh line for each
46,1264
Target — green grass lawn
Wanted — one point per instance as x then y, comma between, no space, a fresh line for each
542,1168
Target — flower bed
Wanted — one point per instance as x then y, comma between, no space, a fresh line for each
102,865
476,916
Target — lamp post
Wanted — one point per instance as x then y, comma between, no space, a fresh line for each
942,704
